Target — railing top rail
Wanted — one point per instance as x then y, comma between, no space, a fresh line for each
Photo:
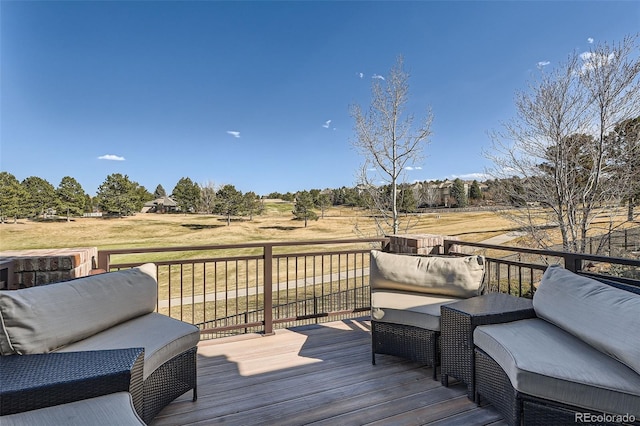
237,258
563,254
243,245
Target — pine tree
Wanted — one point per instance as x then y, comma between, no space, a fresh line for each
303,208
71,197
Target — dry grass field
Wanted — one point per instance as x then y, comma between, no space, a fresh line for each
175,230
168,230
239,279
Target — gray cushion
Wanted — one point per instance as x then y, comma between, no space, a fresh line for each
161,337
447,276
603,316
115,409
544,361
40,319
416,309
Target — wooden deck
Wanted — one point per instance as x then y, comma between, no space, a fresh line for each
320,375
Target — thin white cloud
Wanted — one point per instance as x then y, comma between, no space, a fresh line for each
542,64
592,60
471,176
234,133
590,40
327,124
111,157
376,76
361,75
413,168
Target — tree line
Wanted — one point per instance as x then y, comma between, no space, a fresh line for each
120,196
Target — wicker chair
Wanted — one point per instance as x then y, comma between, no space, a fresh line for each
107,311
595,373
406,295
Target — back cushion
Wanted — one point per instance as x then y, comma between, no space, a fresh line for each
605,317
447,276
40,319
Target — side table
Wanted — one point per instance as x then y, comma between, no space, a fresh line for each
457,322
36,381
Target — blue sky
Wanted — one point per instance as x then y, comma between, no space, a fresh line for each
257,94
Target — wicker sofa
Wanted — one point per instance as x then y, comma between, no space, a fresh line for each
406,295
108,311
577,361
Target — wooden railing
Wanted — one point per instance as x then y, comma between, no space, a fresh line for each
254,287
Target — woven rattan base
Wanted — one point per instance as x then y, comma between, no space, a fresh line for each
30,382
405,341
517,408
168,382
494,385
457,322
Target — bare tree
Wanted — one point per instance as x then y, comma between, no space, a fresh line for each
431,194
207,196
557,148
388,142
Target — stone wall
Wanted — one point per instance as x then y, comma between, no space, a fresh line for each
29,268
418,243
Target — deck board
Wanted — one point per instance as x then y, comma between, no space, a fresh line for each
317,375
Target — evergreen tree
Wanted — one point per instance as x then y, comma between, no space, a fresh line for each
41,196
252,204
187,195
159,192
11,196
71,197
142,196
119,195
624,147
353,198
288,197
406,200
474,192
229,202
458,193
303,208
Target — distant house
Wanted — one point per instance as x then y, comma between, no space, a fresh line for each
438,194
160,205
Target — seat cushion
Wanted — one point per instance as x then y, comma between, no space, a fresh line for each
416,309
596,313
161,337
41,319
115,409
544,361
440,275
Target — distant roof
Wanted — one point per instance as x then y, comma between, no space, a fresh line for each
163,201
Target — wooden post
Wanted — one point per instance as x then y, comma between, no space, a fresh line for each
268,289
